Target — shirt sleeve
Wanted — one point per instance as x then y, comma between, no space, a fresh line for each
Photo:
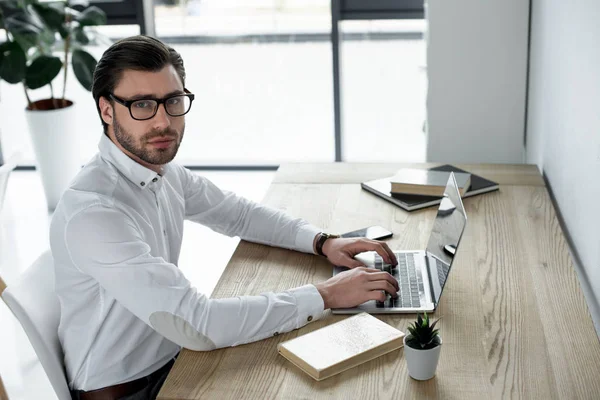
106,244
232,215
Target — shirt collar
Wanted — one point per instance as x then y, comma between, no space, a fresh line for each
136,173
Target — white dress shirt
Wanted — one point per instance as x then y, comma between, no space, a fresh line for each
126,308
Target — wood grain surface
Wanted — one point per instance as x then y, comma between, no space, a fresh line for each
514,320
504,174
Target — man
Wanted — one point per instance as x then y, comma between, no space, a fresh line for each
126,309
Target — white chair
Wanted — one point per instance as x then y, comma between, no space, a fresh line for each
33,301
3,395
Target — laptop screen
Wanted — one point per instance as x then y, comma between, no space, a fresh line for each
447,230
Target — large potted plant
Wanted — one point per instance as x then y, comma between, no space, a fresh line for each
42,40
422,348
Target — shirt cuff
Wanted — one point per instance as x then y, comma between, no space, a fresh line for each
305,238
310,304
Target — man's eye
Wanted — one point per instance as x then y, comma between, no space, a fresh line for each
174,101
141,104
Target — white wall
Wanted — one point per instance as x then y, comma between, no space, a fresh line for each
563,136
477,64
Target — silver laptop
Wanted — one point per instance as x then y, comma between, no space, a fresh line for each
421,274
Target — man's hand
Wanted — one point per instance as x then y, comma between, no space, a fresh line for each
341,251
356,286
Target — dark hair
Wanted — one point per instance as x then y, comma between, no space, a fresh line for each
139,53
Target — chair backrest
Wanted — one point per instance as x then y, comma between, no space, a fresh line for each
33,301
3,395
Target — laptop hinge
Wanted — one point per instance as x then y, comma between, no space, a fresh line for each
431,292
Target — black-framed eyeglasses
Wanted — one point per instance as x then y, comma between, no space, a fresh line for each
143,109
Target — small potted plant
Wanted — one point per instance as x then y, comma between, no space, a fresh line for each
422,348
41,39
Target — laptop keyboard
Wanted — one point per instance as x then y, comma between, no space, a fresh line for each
443,270
409,280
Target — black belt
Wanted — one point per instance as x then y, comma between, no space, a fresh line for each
116,392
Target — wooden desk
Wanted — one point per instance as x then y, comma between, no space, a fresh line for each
515,322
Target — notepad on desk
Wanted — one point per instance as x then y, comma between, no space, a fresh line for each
409,202
340,346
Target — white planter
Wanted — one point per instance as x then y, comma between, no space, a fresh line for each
422,363
55,142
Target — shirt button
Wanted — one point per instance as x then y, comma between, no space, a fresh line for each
276,334
309,318
143,183
154,180
165,232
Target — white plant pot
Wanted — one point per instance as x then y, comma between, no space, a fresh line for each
421,363
55,142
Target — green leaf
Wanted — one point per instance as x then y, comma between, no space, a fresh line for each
83,66
26,29
14,62
79,3
63,31
8,5
91,16
81,36
42,71
48,37
26,3
52,14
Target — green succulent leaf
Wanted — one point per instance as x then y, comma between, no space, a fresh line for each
83,66
91,16
42,71
13,62
422,335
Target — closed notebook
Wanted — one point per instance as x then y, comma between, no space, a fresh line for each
340,346
427,182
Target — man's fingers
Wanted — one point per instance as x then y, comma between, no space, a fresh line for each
370,270
381,276
352,263
381,250
377,295
383,285
390,253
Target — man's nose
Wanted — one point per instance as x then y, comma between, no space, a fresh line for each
161,120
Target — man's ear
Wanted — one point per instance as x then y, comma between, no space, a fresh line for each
106,110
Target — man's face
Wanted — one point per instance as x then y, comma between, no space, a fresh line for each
154,141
